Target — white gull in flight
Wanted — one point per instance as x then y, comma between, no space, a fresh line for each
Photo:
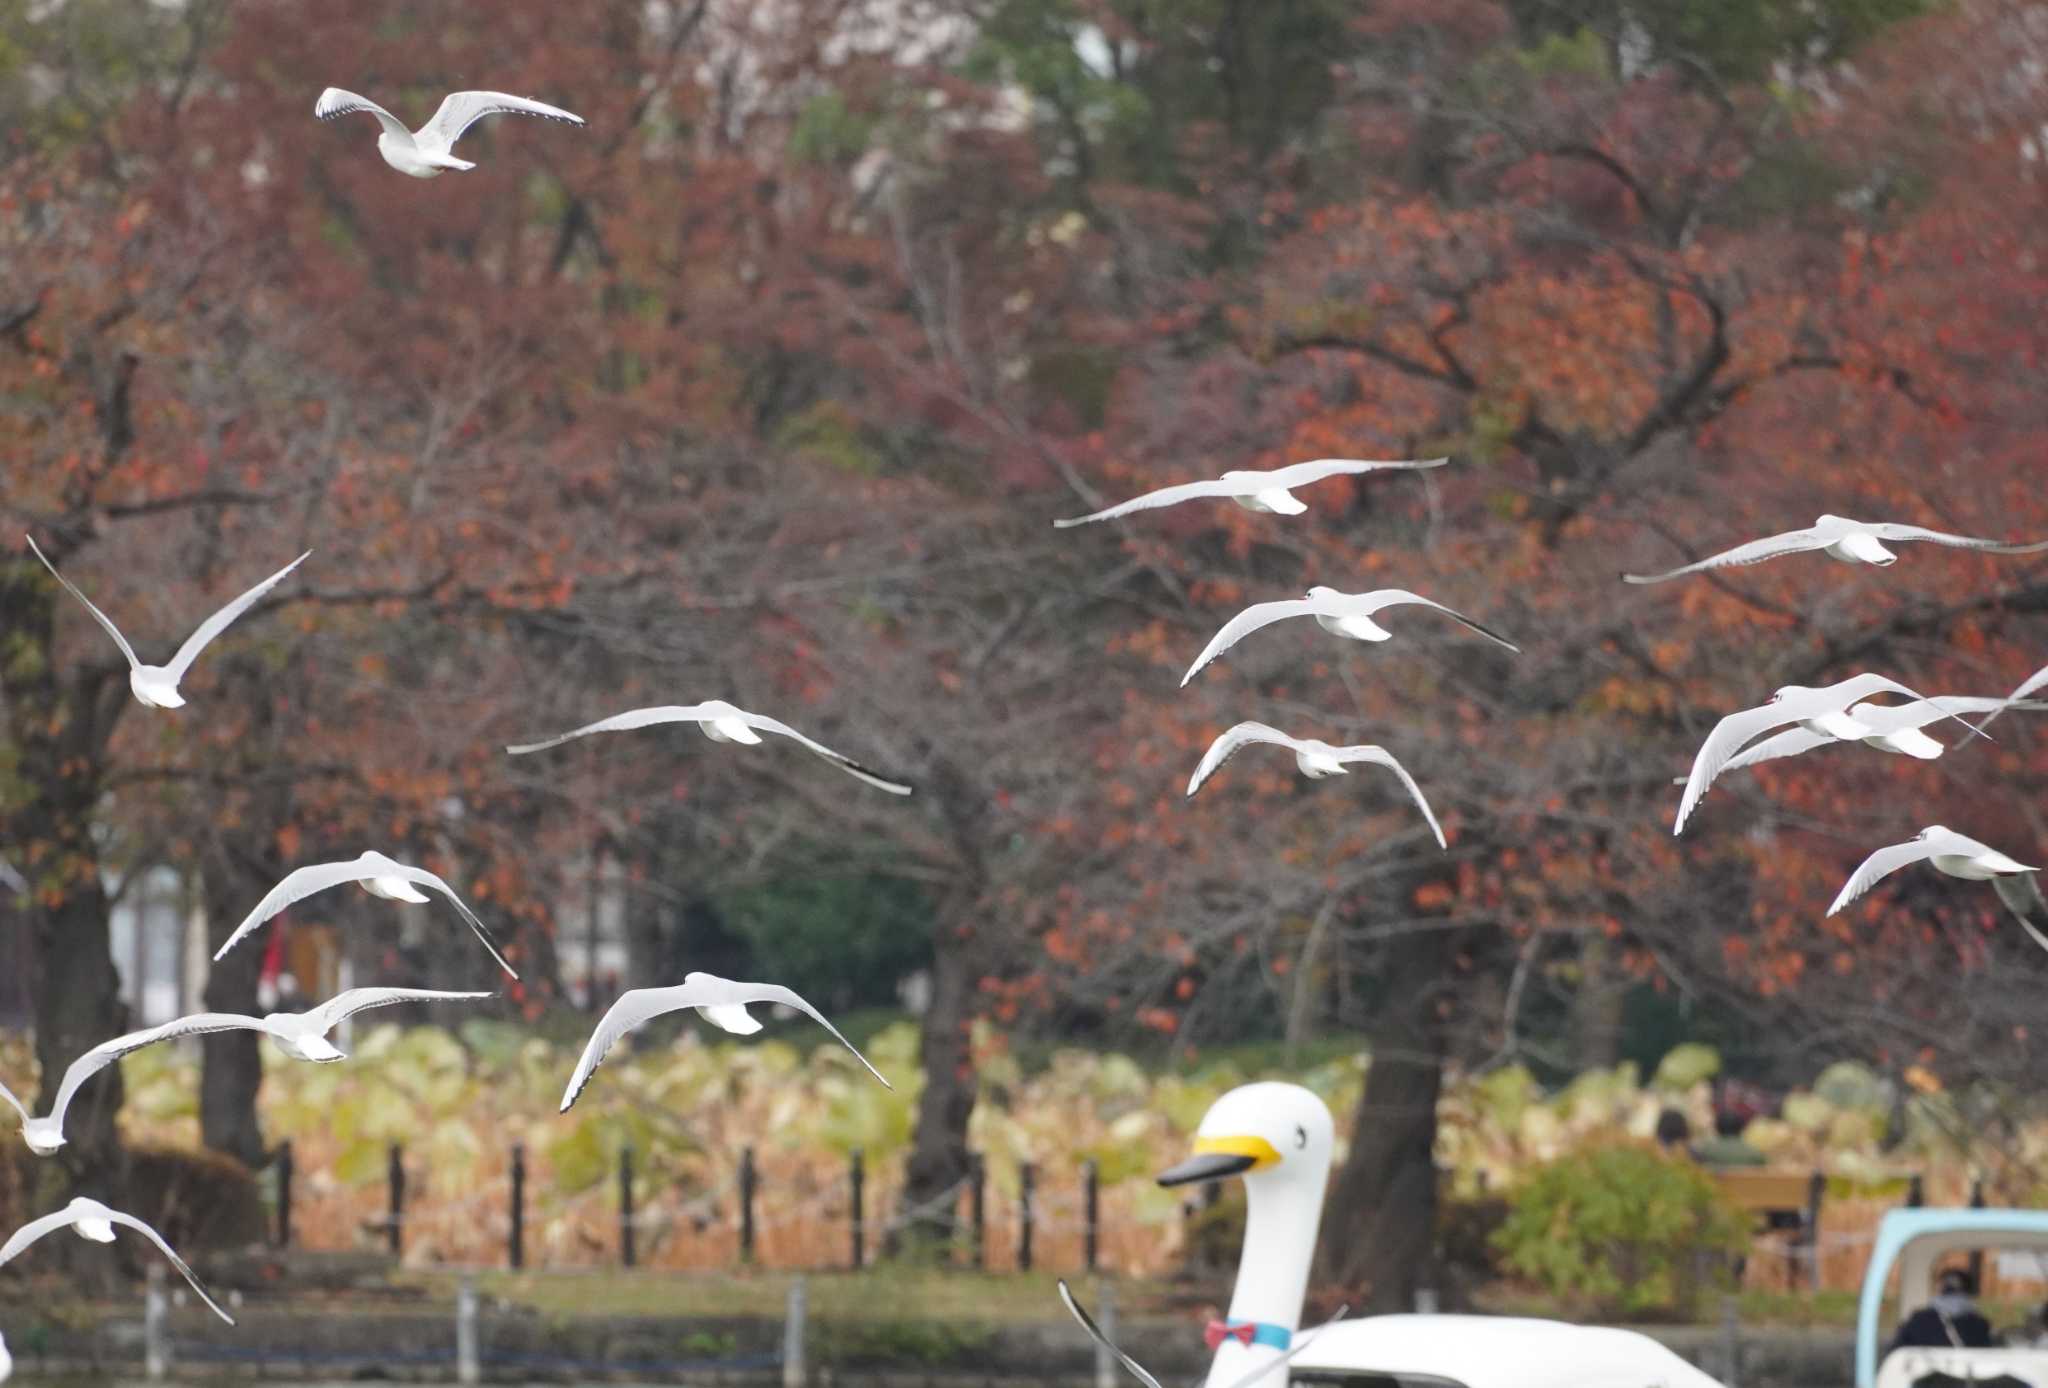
721,722
720,1001
1255,491
157,685
301,1035
96,1222
1852,541
377,875
1315,758
1826,711
1893,728
1957,855
1343,614
425,153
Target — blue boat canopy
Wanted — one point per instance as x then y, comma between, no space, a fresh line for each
1917,1242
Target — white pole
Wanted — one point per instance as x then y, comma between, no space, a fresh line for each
1105,1316
466,1367
793,1375
156,1347
1731,1342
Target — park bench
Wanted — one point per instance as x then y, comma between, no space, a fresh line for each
1781,1202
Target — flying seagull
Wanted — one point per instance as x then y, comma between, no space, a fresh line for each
1345,614
301,1035
1891,728
720,1001
1255,491
378,875
1852,541
1958,855
721,722
1315,758
1823,710
95,1221
157,685
1138,1371
425,153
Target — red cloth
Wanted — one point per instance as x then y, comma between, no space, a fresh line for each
1216,1332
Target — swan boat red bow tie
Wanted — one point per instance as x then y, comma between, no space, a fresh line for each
1247,1333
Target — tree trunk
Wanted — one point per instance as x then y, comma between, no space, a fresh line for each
78,1005
59,730
938,1153
1379,1229
1597,1006
231,1062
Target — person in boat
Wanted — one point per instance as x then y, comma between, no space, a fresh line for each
1951,1320
1727,1147
1673,1132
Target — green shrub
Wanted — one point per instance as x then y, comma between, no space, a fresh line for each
1622,1230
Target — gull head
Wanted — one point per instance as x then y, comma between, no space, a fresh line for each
155,686
43,1135
1324,591
1931,831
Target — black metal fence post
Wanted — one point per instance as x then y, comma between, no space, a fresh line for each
1091,1213
1027,1191
747,1184
284,1194
1976,1254
395,1227
515,1240
859,1177
977,1208
626,1249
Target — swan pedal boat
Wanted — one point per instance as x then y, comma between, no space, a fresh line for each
1279,1138
1455,1351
